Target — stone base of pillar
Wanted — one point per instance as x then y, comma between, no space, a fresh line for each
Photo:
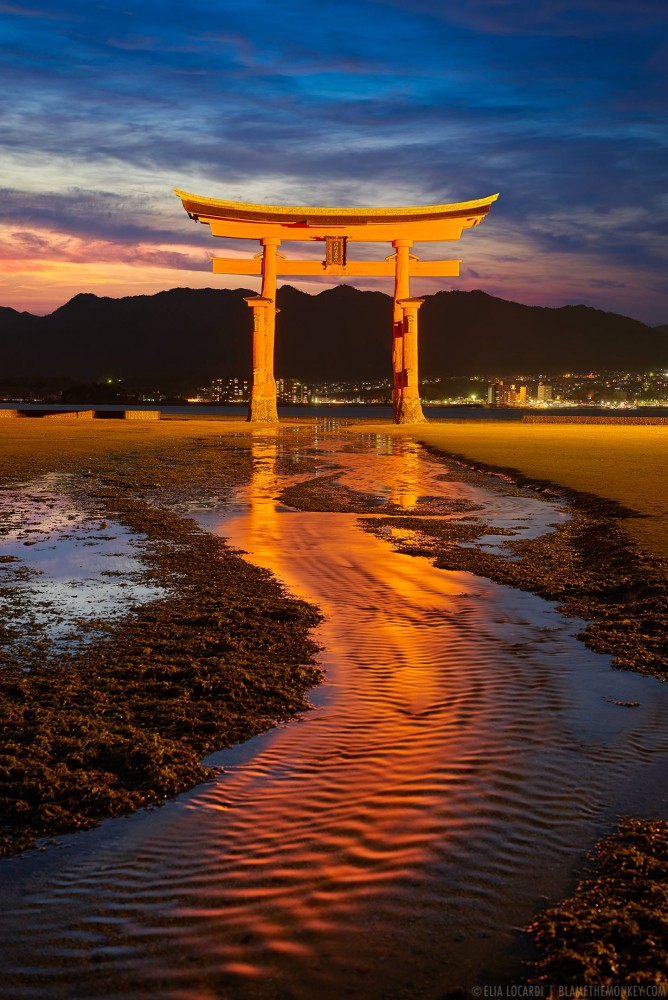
409,411
262,411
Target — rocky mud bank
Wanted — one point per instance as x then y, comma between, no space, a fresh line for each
614,930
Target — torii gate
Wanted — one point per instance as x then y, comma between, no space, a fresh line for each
401,227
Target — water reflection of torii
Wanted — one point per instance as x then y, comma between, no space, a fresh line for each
261,517
336,227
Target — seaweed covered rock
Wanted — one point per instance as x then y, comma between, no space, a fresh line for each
614,930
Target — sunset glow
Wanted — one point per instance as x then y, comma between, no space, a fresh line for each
559,107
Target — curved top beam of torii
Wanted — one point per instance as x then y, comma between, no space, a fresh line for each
368,225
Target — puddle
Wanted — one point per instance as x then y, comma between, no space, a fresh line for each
61,566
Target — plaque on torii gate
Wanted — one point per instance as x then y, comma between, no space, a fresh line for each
336,228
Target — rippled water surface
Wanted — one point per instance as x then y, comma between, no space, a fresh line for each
464,753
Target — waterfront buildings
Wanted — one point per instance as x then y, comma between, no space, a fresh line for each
501,394
226,390
617,389
292,391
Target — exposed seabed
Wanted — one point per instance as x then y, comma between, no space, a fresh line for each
465,751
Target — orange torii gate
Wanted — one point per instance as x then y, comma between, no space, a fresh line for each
336,227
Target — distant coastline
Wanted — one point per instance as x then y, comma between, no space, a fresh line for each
356,411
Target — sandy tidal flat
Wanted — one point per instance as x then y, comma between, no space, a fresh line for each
627,464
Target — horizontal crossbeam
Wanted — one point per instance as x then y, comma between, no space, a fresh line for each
429,230
353,268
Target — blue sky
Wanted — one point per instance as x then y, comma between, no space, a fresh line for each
559,106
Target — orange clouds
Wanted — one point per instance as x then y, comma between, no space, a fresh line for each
19,248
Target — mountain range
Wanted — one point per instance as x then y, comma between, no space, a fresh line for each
189,336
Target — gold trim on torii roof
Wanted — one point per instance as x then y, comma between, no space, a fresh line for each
200,208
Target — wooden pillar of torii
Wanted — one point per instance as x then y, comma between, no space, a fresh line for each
263,407
336,227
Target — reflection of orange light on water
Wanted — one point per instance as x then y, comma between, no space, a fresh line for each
326,558
343,816
404,489
262,483
376,601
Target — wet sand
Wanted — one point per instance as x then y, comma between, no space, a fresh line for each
33,446
624,464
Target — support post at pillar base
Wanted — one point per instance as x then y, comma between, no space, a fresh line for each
262,410
408,410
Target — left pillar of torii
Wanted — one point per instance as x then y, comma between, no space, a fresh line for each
262,407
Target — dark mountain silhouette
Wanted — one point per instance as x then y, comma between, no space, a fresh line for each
341,333
188,336
494,335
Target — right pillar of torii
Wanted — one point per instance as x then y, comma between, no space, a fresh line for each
406,406
336,227
263,404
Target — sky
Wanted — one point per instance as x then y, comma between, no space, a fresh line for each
559,105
